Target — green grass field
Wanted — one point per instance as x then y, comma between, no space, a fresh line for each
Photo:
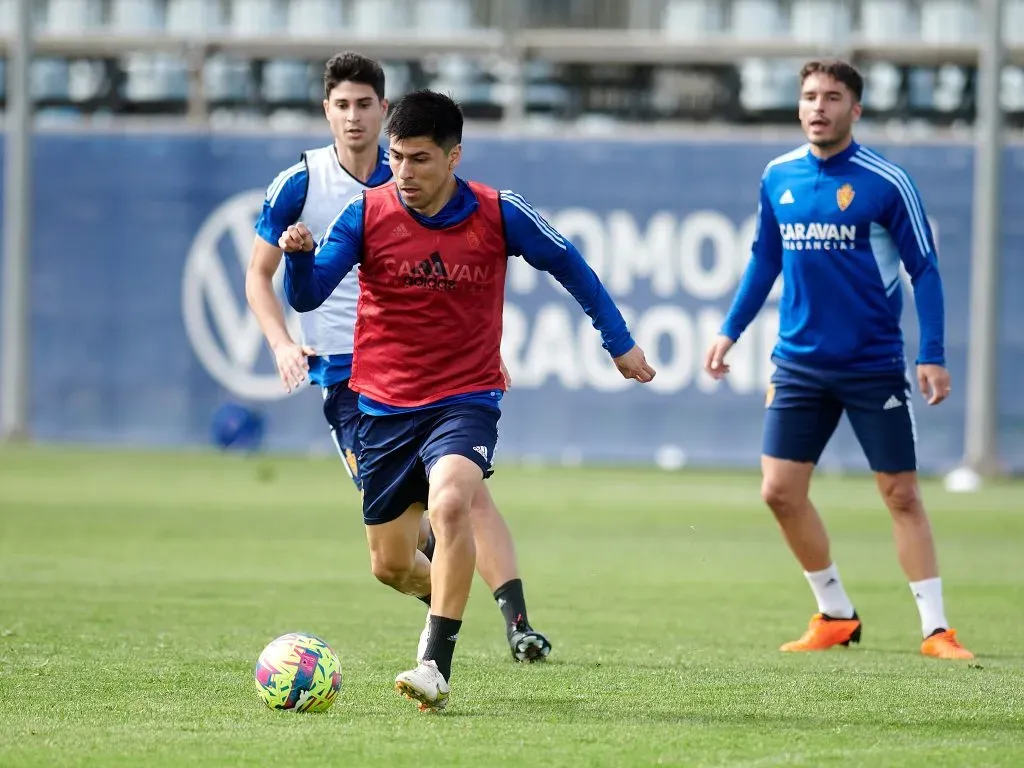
137,589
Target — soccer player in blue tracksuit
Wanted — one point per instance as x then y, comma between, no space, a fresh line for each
837,219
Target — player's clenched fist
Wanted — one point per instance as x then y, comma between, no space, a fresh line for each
296,238
633,365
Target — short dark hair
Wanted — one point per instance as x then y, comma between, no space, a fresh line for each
354,68
842,71
427,113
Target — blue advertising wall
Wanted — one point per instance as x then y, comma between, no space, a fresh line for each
139,327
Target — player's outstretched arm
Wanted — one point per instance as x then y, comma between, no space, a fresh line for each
312,272
544,248
908,225
758,278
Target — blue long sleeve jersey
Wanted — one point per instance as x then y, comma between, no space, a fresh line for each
311,277
837,230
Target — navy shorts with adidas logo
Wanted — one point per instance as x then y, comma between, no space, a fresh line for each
398,451
804,406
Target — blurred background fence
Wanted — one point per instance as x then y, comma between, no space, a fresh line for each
640,128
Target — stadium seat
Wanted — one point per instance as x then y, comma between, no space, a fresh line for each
7,20
290,82
72,16
756,19
1013,22
882,86
886,21
443,16
377,17
1012,91
194,17
155,77
948,21
825,20
228,79
256,18
691,19
305,17
49,79
136,16
86,80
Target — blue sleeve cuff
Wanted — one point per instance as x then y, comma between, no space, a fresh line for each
620,345
730,331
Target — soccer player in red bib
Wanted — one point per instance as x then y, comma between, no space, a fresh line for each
432,251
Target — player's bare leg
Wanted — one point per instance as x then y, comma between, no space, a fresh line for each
394,557
495,550
915,547
496,564
454,481
911,528
785,488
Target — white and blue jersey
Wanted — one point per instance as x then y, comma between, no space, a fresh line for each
313,191
837,230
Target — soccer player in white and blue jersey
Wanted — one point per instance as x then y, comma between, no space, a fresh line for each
836,219
314,190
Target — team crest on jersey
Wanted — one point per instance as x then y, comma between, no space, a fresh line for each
473,238
844,196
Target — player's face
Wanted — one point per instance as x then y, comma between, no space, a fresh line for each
422,170
355,114
828,110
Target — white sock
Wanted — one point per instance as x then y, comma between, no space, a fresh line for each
828,591
928,594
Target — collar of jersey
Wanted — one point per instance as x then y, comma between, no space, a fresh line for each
835,160
457,210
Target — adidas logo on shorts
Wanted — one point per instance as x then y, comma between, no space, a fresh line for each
892,402
482,450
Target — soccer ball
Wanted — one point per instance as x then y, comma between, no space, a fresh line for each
299,673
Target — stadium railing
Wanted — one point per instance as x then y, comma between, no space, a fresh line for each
558,47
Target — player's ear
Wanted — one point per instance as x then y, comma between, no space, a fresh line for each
327,109
858,110
384,107
454,156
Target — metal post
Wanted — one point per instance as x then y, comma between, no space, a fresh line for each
980,423
511,15
17,219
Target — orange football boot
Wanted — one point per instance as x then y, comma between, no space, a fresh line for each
824,632
942,644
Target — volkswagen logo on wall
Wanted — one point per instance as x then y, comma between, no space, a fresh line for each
223,331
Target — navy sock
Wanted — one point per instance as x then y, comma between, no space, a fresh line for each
512,604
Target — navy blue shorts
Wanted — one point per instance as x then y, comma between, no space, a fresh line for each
341,409
398,452
804,406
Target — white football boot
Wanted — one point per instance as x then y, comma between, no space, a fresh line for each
426,685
